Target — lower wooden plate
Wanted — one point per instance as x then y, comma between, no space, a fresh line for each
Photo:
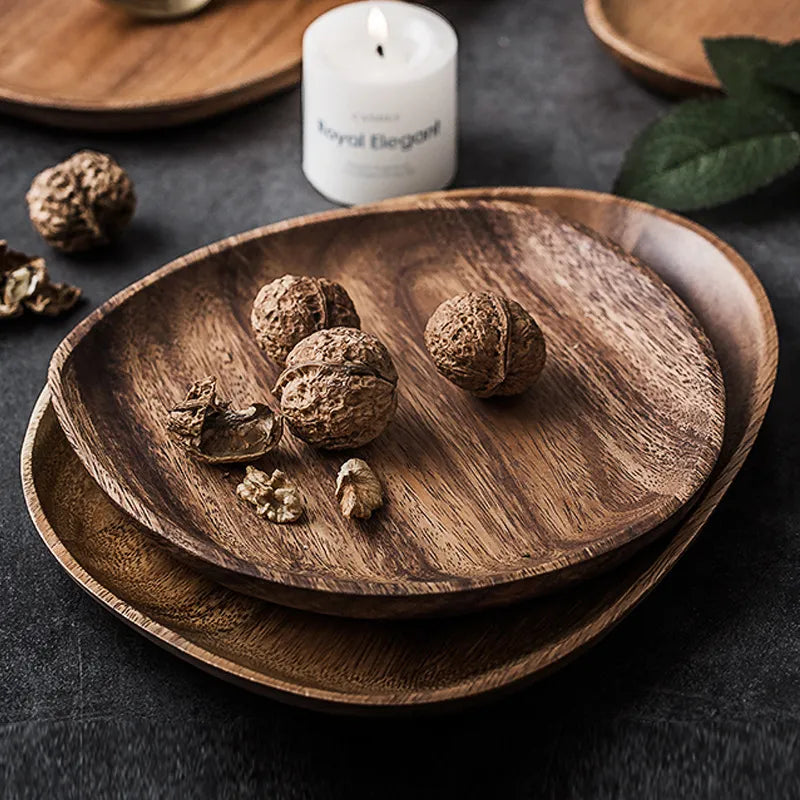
661,42
357,664
88,65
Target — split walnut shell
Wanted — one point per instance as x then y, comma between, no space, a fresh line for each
290,308
486,344
339,388
210,432
25,285
82,202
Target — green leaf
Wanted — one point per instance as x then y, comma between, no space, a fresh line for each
782,68
707,152
736,60
739,63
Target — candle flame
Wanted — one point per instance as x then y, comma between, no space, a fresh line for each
377,26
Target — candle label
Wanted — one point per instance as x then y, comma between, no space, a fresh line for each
380,141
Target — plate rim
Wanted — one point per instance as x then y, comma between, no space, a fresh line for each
385,594
681,538
287,74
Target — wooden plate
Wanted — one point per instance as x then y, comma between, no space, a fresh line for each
661,42
87,65
350,664
487,501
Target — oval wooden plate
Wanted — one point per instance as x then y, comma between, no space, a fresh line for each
355,664
88,65
487,502
661,43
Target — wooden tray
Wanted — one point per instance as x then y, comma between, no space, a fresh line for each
351,664
87,65
660,42
488,502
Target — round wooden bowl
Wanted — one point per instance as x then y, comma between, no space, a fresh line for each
661,43
488,501
85,64
340,664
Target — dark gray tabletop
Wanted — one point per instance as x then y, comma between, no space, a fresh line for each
697,694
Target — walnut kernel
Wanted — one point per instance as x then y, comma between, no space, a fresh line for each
82,202
290,308
273,495
339,388
209,431
358,489
486,344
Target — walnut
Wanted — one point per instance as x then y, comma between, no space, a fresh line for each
82,202
486,344
293,307
358,489
25,284
212,433
339,388
273,496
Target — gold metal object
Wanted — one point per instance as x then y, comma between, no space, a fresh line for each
160,9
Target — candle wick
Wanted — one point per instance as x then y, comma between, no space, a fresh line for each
380,50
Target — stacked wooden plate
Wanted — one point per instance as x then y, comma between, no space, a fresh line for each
586,489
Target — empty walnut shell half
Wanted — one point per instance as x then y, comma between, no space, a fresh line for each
210,432
339,388
486,344
290,308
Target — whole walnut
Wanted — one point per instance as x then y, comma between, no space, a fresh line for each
339,388
486,344
290,308
81,203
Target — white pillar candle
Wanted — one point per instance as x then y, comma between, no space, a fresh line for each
379,101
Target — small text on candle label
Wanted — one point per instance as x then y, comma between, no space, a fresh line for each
380,141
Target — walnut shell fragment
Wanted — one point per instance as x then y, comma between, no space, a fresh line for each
27,286
486,344
339,388
358,489
273,495
211,432
82,202
290,308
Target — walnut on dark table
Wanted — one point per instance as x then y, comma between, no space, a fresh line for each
81,203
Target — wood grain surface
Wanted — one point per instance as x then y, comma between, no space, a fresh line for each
661,43
354,664
89,65
487,502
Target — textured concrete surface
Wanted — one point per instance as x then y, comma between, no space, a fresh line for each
696,695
